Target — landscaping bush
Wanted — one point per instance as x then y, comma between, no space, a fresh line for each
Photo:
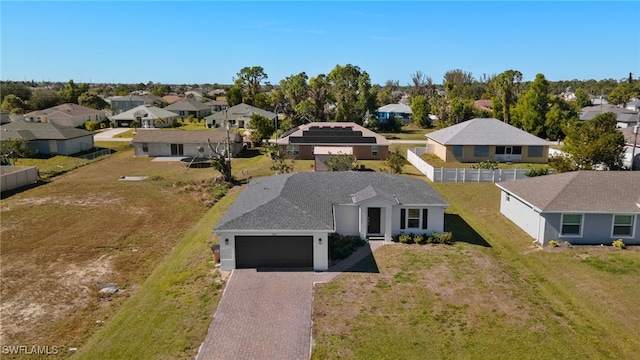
619,244
536,172
441,238
406,239
554,243
420,239
488,164
340,247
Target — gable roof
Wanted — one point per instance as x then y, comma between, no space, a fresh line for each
240,112
68,109
40,131
305,200
484,131
395,108
151,112
218,135
579,191
331,133
186,105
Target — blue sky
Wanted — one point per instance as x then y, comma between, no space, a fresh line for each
210,41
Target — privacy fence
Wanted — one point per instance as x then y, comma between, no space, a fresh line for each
461,175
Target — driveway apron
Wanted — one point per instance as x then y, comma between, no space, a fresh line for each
262,315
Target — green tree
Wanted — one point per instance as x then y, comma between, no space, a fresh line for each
261,127
395,162
91,125
250,79
234,95
595,142
531,111
506,87
559,115
280,162
582,99
622,93
295,90
351,88
13,104
341,162
92,100
71,91
44,99
14,88
320,94
161,90
12,149
421,108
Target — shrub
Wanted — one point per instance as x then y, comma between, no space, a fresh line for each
340,247
536,172
406,239
554,243
420,239
441,238
488,164
619,244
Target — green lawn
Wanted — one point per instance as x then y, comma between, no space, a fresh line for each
408,132
436,162
492,295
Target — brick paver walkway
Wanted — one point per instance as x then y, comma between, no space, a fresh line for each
267,314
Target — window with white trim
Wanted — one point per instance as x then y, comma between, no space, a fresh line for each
623,225
571,225
293,150
414,218
374,150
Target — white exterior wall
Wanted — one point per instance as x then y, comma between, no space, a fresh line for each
522,215
347,219
385,220
320,248
435,221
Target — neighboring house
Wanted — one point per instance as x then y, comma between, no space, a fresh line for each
398,111
185,143
69,115
483,105
186,108
624,117
217,105
285,220
4,117
631,140
170,99
581,207
120,104
237,116
148,117
633,105
307,141
483,139
193,94
48,138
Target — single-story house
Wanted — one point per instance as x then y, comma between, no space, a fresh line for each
624,117
237,116
633,105
483,139
124,103
186,143
48,138
217,105
483,104
69,115
631,140
186,108
148,117
304,142
581,207
170,99
398,111
285,220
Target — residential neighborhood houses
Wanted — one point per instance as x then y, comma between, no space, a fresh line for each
275,209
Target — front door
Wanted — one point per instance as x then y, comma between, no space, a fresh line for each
373,220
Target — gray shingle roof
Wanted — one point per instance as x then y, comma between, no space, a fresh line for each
39,131
218,135
484,131
240,111
395,108
68,109
187,106
152,112
580,191
304,201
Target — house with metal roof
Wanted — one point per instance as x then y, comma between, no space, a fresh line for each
316,139
285,220
69,115
147,117
400,112
186,108
483,139
580,207
184,143
48,138
236,116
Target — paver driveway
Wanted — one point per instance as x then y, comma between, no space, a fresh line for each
267,314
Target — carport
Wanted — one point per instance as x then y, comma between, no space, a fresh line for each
273,251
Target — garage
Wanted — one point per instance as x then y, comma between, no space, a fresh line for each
274,251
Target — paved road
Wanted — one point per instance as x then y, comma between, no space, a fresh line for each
267,314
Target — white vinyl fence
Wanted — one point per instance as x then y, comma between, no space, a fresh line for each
461,175
13,177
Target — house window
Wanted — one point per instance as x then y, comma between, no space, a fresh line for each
517,150
458,151
571,224
374,150
481,151
293,150
145,147
623,225
413,218
500,150
534,151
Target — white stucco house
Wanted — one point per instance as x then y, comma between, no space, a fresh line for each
580,207
48,138
285,220
147,117
69,115
184,143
